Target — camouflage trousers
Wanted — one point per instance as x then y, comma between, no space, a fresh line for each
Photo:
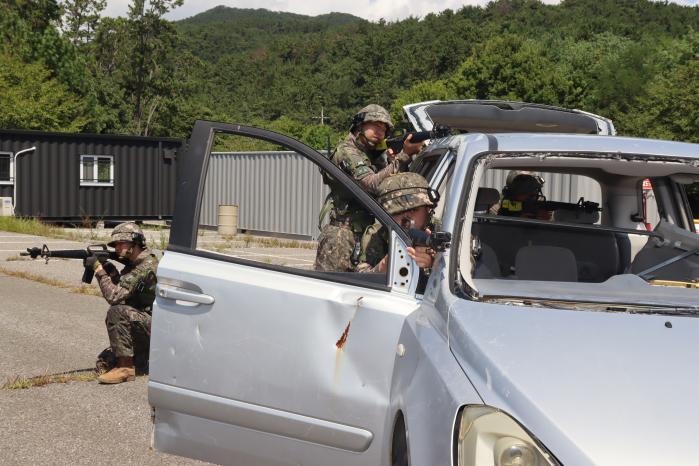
335,246
129,330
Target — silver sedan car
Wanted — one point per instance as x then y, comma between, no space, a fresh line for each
555,329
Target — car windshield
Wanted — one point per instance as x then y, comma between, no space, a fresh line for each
580,234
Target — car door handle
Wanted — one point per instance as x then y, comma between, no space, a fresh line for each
181,295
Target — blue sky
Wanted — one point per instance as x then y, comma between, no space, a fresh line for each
368,9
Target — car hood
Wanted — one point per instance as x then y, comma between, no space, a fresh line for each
497,116
595,387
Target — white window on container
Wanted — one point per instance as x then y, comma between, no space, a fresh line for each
96,170
7,169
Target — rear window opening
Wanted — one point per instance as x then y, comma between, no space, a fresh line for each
573,225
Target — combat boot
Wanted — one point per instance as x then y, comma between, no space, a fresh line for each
124,372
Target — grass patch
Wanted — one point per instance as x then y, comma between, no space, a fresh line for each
20,382
82,289
163,240
27,226
80,236
32,226
283,243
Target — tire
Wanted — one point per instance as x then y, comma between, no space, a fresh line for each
399,446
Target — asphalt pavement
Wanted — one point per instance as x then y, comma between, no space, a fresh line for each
47,330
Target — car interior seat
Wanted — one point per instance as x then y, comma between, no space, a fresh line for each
487,265
549,263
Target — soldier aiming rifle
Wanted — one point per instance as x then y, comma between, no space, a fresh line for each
130,294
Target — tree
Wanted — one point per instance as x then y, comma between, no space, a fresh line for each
513,68
80,19
420,92
33,99
669,107
152,61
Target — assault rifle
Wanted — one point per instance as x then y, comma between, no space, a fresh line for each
97,250
438,241
581,206
396,142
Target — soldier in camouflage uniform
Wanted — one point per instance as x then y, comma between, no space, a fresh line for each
130,294
520,187
360,155
406,196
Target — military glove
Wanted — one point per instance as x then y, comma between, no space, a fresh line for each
91,262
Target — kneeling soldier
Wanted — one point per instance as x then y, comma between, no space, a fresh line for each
130,294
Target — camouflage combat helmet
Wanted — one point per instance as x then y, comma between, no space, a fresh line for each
405,191
522,182
372,112
127,231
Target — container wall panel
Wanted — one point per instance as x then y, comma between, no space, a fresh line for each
48,179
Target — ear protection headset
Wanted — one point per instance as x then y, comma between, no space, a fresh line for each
138,238
357,120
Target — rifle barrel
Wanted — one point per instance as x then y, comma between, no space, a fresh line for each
69,253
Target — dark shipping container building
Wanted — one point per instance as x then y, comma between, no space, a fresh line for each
88,177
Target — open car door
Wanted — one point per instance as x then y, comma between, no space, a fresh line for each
256,360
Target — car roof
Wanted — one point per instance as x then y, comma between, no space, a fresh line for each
582,144
496,116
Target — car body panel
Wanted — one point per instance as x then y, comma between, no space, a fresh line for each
596,387
264,357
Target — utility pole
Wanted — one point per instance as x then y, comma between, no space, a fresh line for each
322,116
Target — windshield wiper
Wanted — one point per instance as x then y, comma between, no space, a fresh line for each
599,307
645,274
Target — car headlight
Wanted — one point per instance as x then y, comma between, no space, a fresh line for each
488,436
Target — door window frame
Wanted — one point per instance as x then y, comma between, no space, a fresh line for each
191,175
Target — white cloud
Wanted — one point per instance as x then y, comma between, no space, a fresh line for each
374,10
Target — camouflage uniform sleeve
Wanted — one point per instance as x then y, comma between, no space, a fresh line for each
130,282
371,182
355,163
112,290
374,247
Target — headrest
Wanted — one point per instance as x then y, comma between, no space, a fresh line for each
485,198
548,263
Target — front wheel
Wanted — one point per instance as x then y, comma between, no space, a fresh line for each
399,446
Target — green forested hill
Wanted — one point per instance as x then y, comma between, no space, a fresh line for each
636,61
224,31
598,55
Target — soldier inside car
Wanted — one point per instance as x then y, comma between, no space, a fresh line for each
522,196
130,294
409,200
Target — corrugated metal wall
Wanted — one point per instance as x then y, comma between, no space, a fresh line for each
276,192
48,179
